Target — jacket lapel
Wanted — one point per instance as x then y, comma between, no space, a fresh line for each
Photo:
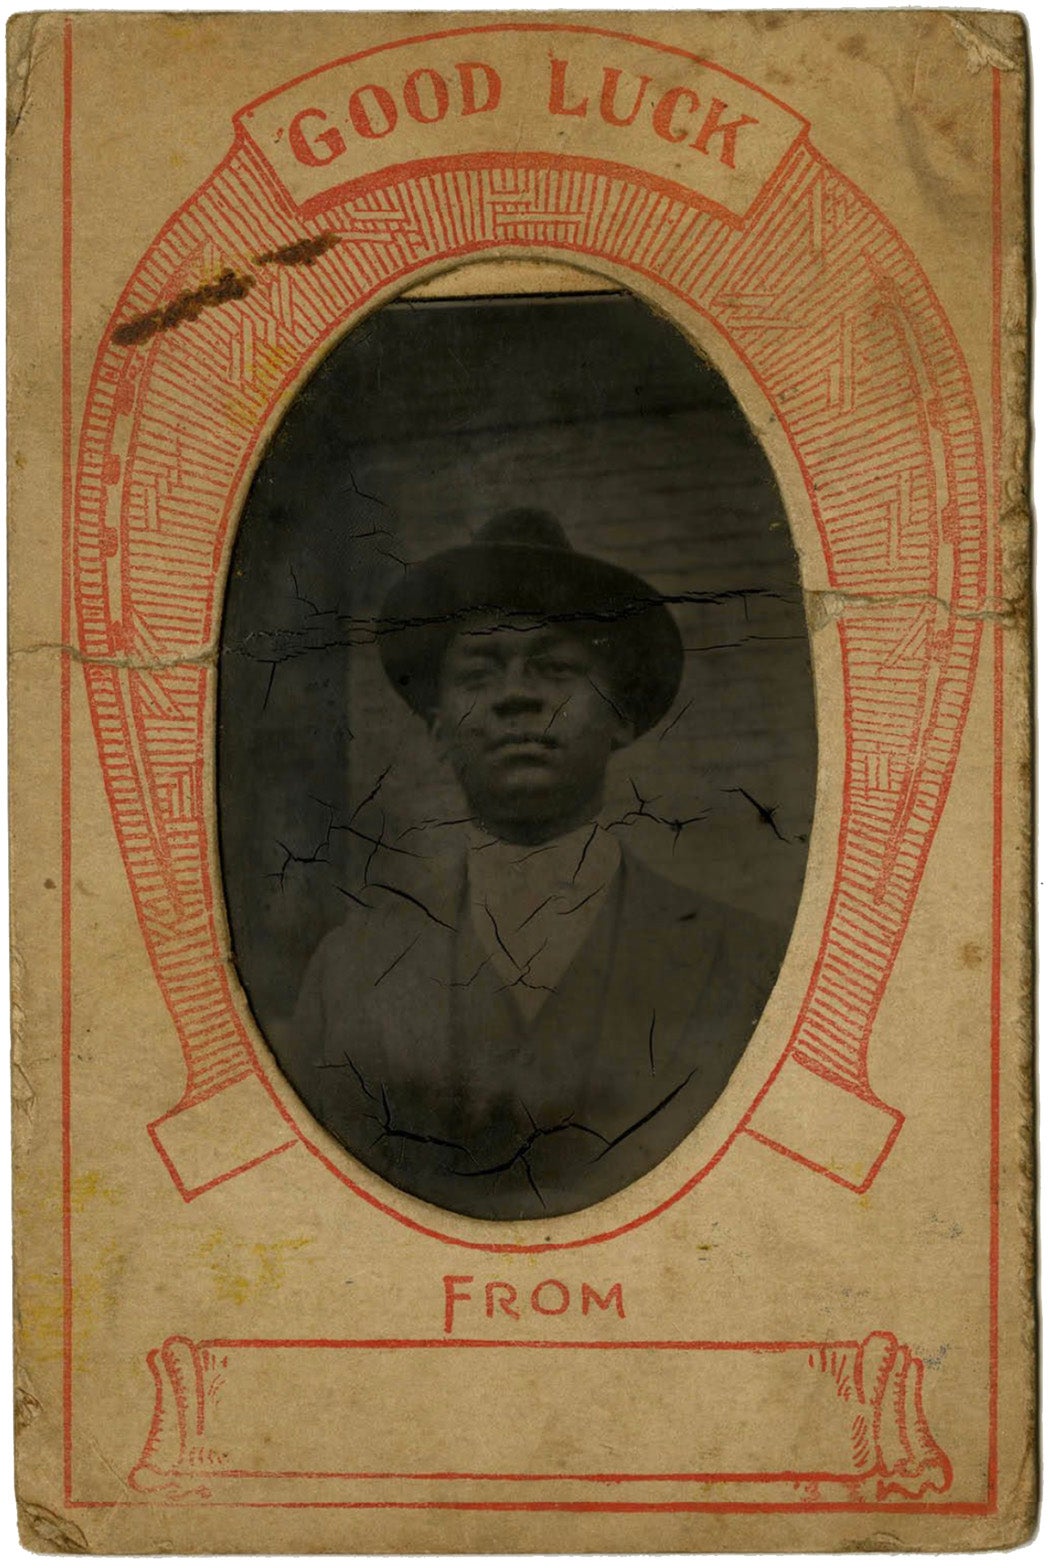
664,949
407,968
666,945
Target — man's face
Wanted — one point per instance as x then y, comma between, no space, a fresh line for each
528,719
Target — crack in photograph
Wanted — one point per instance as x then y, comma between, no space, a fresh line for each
516,745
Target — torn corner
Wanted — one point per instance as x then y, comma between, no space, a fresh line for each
40,1529
27,1408
996,43
23,34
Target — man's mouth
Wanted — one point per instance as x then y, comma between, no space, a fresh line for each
524,742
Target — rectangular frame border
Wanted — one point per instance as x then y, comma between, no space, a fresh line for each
989,1505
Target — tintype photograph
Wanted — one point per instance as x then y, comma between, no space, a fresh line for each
516,745
521,825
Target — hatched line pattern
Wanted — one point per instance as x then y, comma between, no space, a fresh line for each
829,312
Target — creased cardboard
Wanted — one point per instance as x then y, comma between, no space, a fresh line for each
520,753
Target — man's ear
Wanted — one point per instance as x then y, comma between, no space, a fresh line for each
623,733
438,733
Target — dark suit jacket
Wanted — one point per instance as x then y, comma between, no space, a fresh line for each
406,1045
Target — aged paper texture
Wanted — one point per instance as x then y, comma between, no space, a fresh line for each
520,792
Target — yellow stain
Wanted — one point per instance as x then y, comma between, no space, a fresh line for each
242,1270
271,366
40,1315
89,1187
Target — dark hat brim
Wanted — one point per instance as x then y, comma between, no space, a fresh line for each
613,608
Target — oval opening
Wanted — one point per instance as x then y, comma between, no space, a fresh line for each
516,745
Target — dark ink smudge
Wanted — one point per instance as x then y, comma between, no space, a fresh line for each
229,285
187,306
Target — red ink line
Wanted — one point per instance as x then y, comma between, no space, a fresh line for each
751,1345
64,743
950,1510
601,1478
996,978
187,1194
997,791
522,27
324,201
822,1170
474,248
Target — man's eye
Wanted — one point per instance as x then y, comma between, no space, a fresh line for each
561,669
472,676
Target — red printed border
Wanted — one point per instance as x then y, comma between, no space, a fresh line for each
997,792
869,1394
66,850
821,301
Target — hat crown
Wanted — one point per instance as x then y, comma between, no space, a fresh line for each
521,562
527,526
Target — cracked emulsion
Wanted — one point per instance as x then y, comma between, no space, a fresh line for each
525,1084
512,1007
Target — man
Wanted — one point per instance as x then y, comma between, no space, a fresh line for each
528,1030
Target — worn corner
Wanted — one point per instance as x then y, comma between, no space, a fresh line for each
28,36
991,40
20,27
1019,1524
43,1530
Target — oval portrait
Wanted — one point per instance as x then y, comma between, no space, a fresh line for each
517,752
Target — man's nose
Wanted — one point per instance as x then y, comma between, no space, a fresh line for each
519,691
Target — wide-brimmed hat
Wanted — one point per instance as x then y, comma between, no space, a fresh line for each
520,563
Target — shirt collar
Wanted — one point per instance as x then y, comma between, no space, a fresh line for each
583,861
